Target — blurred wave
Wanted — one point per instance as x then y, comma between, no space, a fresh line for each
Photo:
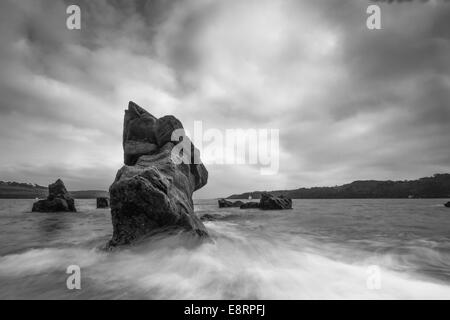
320,250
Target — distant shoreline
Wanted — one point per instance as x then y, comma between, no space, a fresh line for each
386,198
435,187
16,190
31,198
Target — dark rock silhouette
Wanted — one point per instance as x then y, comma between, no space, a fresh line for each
58,200
228,204
271,202
102,203
153,191
447,204
250,205
267,202
224,203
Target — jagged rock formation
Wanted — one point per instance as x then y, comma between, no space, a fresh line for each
271,202
153,191
58,200
228,204
138,134
102,203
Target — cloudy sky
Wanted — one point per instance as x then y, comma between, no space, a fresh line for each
350,103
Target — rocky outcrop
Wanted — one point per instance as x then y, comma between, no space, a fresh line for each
58,200
271,202
153,191
224,203
250,205
102,203
447,204
228,204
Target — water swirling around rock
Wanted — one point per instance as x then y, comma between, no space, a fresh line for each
320,249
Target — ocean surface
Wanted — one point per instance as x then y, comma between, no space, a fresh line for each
322,249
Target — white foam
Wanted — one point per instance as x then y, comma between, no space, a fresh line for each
233,267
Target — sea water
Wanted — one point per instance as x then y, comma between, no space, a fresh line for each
322,249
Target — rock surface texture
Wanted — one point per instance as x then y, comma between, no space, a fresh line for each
271,202
153,191
58,200
250,205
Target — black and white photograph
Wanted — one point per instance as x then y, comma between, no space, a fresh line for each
224,150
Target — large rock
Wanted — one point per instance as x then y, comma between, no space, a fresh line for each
58,200
447,204
271,202
153,191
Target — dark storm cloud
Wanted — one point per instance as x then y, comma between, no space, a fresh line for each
350,103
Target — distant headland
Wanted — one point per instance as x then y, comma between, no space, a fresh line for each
437,186
17,190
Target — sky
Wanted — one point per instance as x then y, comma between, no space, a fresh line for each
350,103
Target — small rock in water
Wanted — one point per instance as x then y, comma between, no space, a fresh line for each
102,203
271,202
58,200
447,204
228,204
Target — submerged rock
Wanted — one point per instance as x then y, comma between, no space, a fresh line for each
250,205
58,200
447,204
271,202
153,191
102,203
